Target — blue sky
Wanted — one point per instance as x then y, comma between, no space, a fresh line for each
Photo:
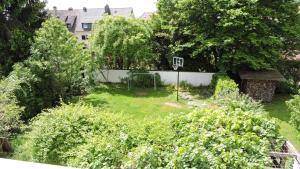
139,6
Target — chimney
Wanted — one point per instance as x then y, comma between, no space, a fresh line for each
107,9
70,9
55,10
84,9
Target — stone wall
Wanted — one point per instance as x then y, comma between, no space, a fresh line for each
260,90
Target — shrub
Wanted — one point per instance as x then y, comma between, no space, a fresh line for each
222,139
68,135
223,84
234,100
9,115
290,69
294,107
84,136
33,88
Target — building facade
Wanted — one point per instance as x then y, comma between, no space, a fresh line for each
80,21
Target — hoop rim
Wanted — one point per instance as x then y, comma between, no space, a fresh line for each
175,67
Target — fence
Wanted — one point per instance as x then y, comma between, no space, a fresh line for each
167,77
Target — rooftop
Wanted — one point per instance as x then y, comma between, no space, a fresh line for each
262,75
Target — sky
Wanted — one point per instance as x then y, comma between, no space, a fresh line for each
139,6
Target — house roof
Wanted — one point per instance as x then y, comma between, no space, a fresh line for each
262,75
146,15
91,15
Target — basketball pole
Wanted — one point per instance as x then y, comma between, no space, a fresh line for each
177,84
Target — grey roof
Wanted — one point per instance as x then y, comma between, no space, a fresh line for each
90,16
272,75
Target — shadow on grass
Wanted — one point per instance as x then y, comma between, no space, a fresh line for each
278,108
121,89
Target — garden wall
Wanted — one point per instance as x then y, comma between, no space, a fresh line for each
167,77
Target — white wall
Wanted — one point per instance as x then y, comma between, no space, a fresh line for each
167,77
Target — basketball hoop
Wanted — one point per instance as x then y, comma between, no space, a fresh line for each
175,67
177,62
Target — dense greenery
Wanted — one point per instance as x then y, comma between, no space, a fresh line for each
232,34
294,107
57,50
222,84
122,43
85,136
18,22
55,70
9,115
290,69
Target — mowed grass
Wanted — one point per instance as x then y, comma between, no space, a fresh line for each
138,104
279,110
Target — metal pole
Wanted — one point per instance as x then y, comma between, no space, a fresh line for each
177,84
154,81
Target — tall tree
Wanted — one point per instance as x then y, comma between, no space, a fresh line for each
57,50
18,22
122,43
233,34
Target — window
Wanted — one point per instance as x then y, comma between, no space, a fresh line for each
84,37
68,26
87,26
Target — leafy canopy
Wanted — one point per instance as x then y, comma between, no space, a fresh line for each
18,22
57,50
122,43
233,34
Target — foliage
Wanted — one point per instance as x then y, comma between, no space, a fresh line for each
68,135
9,115
122,43
222,139
232,34
57,50
161,40
294,107
55,70
84,136
19,86
18,21
290,69
223,84
235,101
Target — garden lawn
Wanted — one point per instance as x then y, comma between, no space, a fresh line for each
279,110
137,104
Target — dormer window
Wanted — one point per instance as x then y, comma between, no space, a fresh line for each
87,26
69,26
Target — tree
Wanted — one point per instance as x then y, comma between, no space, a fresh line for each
161,39
57,50
18,22
233,34
122,43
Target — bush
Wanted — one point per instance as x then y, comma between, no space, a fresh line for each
234,100
290,69
68,135
294,107
84,136
33,89
222,84
9,116
222,139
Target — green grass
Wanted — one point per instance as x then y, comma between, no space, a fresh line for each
278,109
137,104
